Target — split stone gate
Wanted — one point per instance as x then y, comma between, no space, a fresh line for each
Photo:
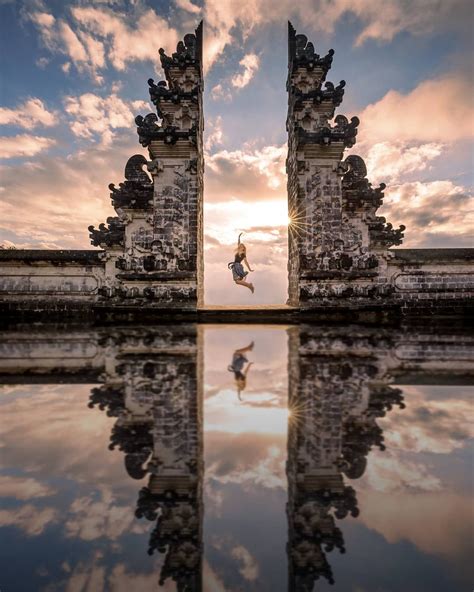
151,252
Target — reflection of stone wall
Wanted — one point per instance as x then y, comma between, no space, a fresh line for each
154,389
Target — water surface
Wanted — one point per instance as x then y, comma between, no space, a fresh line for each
236,458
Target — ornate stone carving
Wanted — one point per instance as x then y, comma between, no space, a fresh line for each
110,235
136,191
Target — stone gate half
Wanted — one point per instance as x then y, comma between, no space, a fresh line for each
152,249
339,248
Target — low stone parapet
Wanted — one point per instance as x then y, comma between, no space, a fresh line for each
50,280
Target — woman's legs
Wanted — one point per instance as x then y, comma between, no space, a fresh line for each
246,284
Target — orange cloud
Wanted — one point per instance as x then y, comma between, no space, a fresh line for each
24,145
29,114
438,110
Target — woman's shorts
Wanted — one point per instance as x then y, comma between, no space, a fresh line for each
238,272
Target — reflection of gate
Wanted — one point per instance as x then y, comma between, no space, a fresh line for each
152,250
150,380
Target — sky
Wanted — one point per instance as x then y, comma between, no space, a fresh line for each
73,77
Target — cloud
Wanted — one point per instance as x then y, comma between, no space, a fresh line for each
98,37
228,22
127,44
245,190
435,111
38,197
249,566
92,115
247,174
390,162
214,133
24,145
29,114
90,519
220,92
435,213
188,6
250,64
28,518
23,488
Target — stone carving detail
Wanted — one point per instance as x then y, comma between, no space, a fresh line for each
338,246
110,235
136,192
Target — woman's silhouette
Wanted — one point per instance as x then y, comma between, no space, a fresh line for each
237,268
237,367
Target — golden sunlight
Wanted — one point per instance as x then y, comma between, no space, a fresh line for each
224,221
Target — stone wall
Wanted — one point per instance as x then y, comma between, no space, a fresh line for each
67,280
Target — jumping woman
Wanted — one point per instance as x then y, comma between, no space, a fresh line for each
239,359
237,268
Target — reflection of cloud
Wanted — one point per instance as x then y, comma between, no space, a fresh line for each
211,581
224,412
29,518
91,519
429,424
51,431
249,567
434,522
404,494
23,488
248,459
387,473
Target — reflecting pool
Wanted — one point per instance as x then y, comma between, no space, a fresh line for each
236,458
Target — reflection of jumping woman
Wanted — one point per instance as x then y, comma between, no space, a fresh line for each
237,268
237,367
